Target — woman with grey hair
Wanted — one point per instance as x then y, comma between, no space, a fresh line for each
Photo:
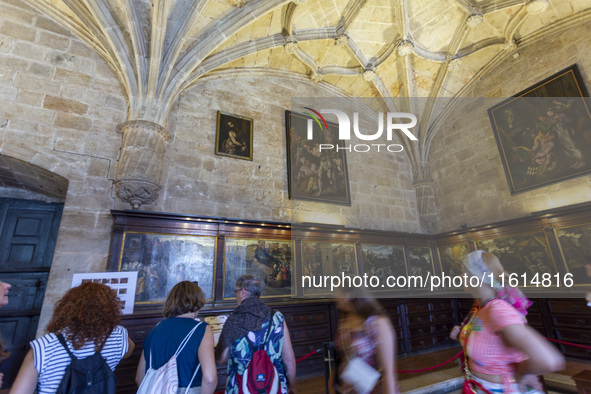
246,329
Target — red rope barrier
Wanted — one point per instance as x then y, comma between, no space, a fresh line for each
570,344
308,355
434,367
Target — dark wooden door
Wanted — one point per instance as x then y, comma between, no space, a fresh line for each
28,233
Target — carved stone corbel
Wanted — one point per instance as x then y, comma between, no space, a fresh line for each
140,163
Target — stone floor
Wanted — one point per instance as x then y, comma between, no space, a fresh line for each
446,379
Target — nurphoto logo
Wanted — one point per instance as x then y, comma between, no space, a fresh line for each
393,121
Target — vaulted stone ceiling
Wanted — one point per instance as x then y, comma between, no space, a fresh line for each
364,48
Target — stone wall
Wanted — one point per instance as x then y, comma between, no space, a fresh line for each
196,181
465,161
59,107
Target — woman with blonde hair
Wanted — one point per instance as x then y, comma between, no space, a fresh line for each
364,333
504,354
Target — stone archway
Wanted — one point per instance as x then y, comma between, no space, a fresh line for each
19,178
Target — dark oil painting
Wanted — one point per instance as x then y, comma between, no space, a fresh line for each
266,259
383,260
544,132
313,174
519,254
163,260
233,136
575,246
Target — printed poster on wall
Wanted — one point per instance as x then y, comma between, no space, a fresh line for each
123,283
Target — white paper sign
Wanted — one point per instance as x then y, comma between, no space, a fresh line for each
216,323
123,283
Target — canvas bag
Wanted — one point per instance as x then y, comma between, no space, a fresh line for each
165,380
260,375
90,375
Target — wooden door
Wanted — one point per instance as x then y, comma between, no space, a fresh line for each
28,232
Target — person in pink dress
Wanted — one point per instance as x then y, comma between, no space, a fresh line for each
505,355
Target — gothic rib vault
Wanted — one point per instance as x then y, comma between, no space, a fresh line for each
361,48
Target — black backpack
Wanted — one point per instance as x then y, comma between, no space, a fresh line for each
90,375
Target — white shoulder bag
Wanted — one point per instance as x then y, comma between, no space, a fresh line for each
165,380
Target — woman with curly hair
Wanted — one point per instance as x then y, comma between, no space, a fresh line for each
88,317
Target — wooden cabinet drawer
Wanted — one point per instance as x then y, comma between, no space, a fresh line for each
417,307
534,319
465,303
576,352
442,339
443,328
571,307
571,321
428,318
392,310
582,337
419,331
310,333
313,365
426,342
418,320
421,343
441,305
307,318
442,317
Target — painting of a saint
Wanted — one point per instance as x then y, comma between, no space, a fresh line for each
234,136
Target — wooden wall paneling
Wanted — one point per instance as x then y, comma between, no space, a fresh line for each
298,268
219,270
554,246
408,314
359,254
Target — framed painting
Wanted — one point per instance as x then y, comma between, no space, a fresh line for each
233,136
575,246
267,259
522,254
323,259
451,258
163,260
421,264
314,174
383,261
543,133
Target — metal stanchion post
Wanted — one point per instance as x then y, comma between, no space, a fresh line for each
328,348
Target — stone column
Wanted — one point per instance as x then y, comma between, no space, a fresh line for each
426,201
140,162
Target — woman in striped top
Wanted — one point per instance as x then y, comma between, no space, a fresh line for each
88,317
